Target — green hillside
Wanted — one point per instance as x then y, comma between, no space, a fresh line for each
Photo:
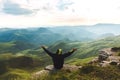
14,46
27,59
87,72
36,36
86,49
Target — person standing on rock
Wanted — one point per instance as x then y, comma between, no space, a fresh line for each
58,57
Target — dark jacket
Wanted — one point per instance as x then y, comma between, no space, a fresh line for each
58,59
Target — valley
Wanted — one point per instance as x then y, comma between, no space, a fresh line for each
21,53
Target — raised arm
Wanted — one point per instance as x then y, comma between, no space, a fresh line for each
69,53
47,51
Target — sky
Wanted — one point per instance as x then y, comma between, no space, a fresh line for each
36,13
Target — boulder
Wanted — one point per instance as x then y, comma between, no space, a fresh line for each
106,57
115,49
39,74
113,63
104,54
65,67
95,60
50,69
114,58
104,63
71,67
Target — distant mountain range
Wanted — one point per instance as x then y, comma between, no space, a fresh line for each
50,35
35,36
45,36
104,28
74,33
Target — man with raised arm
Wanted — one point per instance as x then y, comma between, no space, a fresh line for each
58,57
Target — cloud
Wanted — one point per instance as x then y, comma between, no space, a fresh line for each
62,5
15,9
58,12
27,1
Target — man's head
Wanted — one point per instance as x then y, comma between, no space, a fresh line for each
59,51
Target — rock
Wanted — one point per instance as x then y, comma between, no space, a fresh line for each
104,63
115,49
71,67
95,60
50,69
115,58
113,63
104,54
65,67
39,74
106,57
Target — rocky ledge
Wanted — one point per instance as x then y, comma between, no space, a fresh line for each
50,69
106,57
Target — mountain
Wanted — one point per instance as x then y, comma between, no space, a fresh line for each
60,37
50,35
88,32
14,46
84,49
35,36
87,49
46,36
74,33
106,35
30,59
103,28
27,65
21,55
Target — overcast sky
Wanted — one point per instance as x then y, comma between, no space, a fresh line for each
33,13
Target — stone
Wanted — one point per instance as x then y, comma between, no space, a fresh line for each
50,69
95,60
65,67
106,57
104,64
39,74
71,67
113,63
115,49
114,58
104,54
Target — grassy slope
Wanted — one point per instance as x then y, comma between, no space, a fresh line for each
87,49
86,52
14,46
88,72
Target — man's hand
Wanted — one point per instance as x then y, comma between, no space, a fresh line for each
42,46
74,49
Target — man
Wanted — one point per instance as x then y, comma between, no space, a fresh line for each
58,57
